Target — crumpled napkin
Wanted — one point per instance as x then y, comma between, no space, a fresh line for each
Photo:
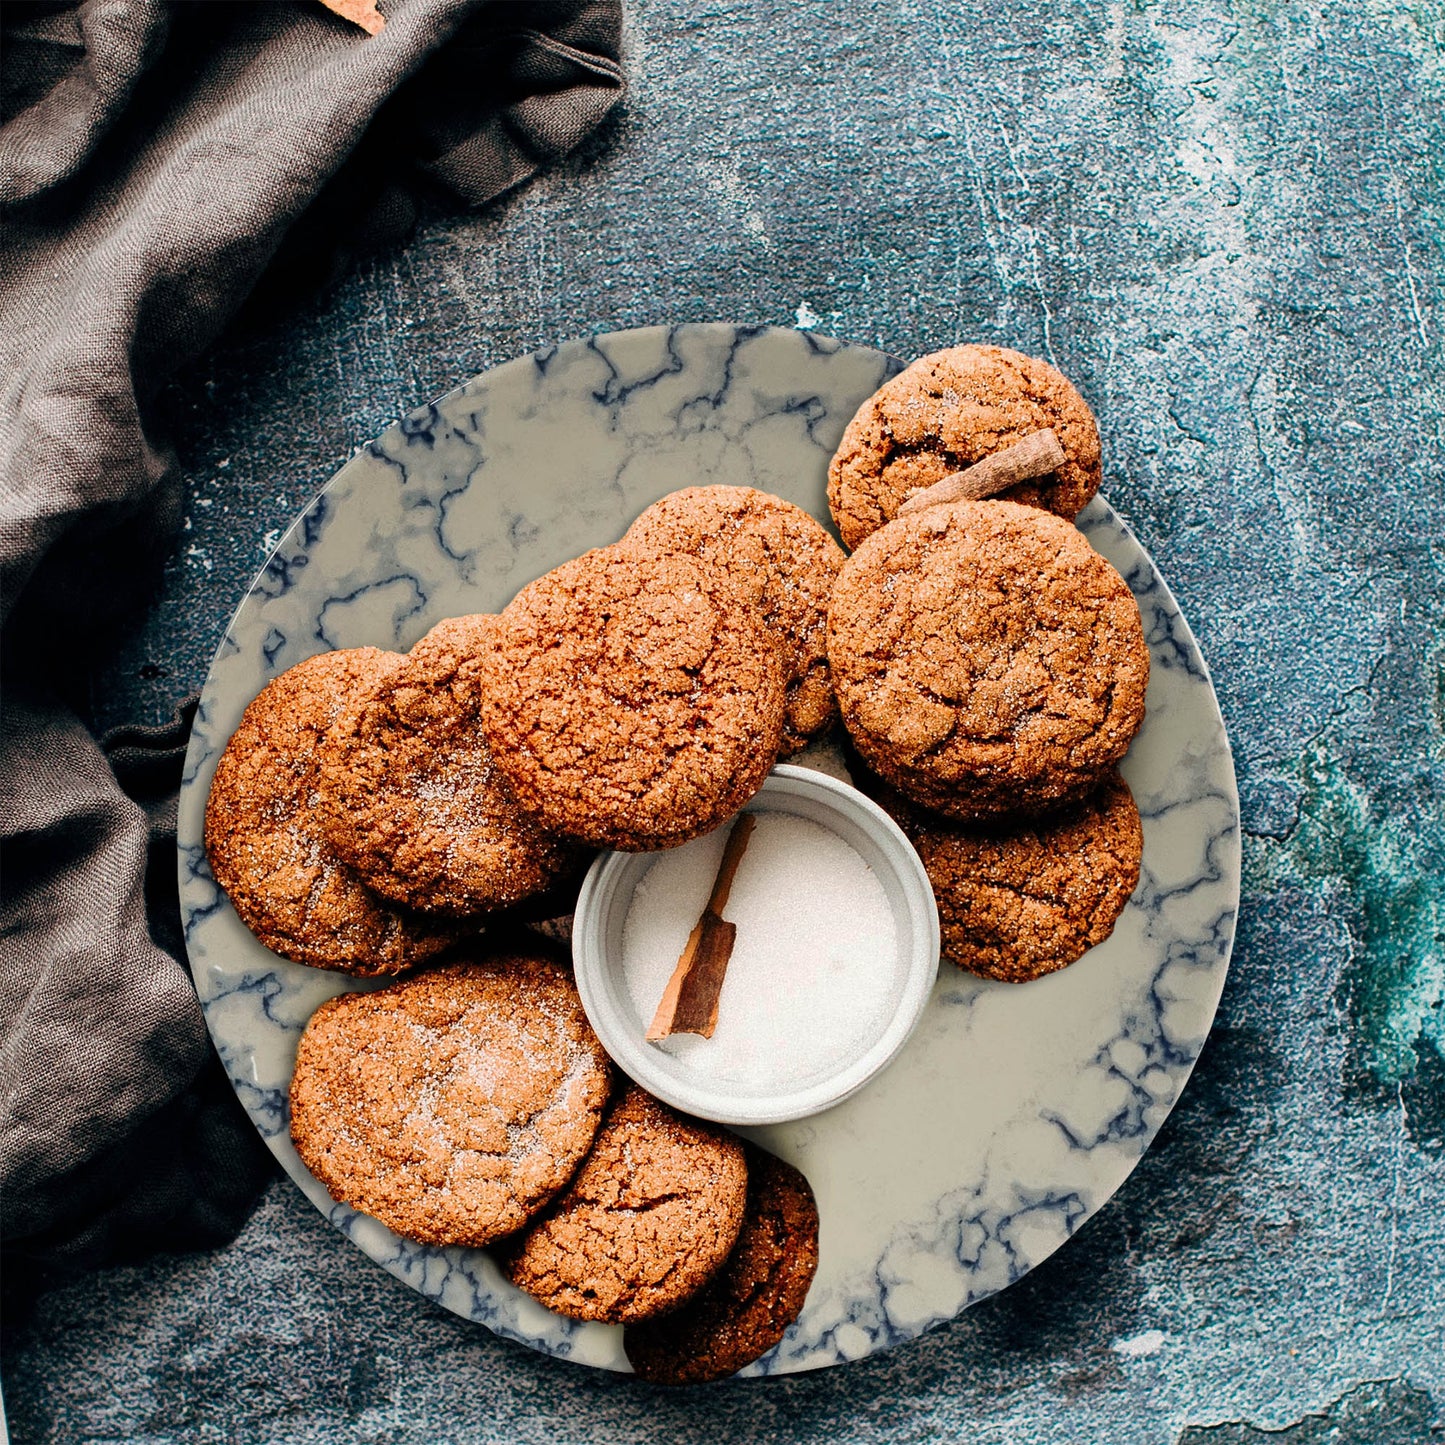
158,163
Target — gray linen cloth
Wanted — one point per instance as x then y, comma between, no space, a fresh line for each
159,163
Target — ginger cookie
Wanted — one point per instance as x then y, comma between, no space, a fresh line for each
986,659
649,1218
747,1306
633,701
410,795
265,838
453,1105
782,562
944,413
1021,898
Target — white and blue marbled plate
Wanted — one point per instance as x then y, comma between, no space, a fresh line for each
1015,1111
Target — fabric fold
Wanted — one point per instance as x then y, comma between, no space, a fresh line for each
158,163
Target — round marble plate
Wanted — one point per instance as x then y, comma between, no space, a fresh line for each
1014,1112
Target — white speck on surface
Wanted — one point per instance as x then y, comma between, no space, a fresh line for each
807,317
814,970
269,541
737,200
1138,1347
1114,64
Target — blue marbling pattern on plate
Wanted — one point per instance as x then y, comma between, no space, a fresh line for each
1015,1112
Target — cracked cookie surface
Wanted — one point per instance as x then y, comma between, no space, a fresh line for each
986,659
453,1105
784,564
746,1308
944,413
1017,900
411,797
265,838
635,701
649,1218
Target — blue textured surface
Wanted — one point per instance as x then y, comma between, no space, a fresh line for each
1224,221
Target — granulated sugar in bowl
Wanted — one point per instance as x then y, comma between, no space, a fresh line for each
832,964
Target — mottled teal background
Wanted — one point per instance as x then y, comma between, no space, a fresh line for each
1224,221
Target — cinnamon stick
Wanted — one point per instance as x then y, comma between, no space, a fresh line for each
360,12
690,1000
1036,455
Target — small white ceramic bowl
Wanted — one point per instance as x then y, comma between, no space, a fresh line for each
597,954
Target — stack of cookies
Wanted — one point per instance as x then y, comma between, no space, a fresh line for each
471,1104
374,808
989,664
639,695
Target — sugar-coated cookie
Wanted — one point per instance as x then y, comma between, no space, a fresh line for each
649,1218
635,701
411,797
747,1306
782,561
454,1104
265,838
986,659
1019,898
944,413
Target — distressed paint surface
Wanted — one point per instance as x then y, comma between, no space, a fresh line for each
1224,221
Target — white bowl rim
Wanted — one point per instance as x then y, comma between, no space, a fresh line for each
634,1055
